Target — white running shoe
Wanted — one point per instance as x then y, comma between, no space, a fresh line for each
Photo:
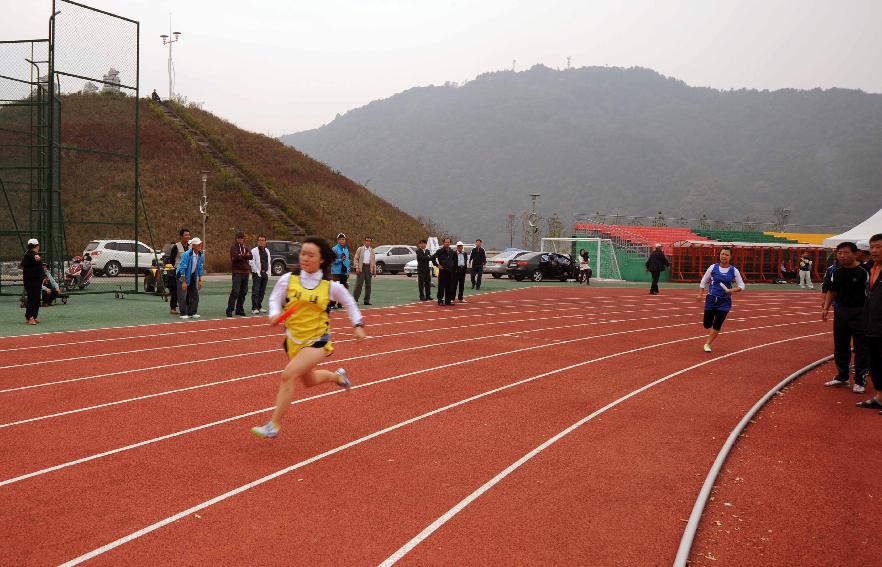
264,310
707,347
834,383
267,431
344,383
255,311
185,316
858,389
196,316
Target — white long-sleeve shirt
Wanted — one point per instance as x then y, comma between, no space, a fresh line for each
338,294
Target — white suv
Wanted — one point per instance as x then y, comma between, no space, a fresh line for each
111,257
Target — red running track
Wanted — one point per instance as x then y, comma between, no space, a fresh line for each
158,466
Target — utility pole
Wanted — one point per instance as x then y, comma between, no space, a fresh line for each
167,40
534,222
203,208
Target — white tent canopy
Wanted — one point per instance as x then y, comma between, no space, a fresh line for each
863,231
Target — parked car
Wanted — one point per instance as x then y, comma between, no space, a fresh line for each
284,256
111,257
392,258
540,266
411,267
497,266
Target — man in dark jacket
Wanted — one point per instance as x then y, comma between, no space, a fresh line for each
424,277
873,322
445,259
32,274
655,265
462,266
240,260
477,259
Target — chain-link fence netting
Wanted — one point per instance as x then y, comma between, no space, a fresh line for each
24,142
72,153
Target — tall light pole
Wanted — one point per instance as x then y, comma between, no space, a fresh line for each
534,221
203,208
166,40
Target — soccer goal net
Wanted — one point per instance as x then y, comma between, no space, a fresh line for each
604,263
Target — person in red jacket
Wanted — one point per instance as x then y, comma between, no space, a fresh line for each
240,260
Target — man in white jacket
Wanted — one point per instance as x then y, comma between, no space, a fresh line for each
260,265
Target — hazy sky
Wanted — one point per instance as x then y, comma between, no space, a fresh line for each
280,66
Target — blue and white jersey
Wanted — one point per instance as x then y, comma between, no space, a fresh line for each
717,280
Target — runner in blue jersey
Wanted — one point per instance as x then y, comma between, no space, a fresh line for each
720,280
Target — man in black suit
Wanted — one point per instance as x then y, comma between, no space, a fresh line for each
424,277
445,259
477,259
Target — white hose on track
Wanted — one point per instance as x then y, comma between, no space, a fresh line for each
700,503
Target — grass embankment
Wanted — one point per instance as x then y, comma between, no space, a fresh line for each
97,190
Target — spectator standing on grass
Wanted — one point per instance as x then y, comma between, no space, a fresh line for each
32,276
175,258
462,266
259,274
873,322
340,267
189,273
584,267
445,259
424,275
477,259
721,280
848,288
49,289
805,272
365,267
240,260
655,265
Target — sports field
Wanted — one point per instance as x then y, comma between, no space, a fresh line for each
533,424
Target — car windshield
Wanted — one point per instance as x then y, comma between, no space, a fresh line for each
382,249
91,246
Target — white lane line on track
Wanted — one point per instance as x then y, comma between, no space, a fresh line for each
363,385
336,341
263,325
371,355
447,516
376,311
332,362
229,494
582,310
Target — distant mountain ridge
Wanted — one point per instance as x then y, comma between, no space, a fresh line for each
611,140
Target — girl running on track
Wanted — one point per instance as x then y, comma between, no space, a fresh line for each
308,329
718,280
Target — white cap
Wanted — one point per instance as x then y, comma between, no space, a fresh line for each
863,245
194,241
459,243
657,245
33,241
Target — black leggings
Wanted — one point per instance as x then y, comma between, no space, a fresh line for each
714,318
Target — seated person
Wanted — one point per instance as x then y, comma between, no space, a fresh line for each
155,96
50,288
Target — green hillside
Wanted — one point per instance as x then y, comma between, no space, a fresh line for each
97,187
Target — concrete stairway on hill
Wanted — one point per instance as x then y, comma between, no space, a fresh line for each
269,204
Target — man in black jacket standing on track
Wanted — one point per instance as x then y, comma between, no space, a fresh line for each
445,259
873,322
477,259
424,277
655,265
